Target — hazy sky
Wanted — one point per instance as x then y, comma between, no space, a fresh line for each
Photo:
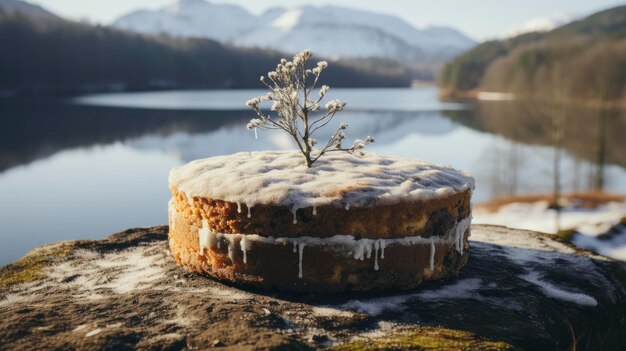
479,19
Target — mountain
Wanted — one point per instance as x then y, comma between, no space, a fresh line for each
55,56
192,18
24,8
331,31
584,60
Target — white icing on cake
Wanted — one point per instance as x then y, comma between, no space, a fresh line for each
358,249
344,180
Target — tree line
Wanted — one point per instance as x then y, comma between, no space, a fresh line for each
55,56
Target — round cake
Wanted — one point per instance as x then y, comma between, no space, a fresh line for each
346,224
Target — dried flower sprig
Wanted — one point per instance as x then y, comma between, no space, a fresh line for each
294,101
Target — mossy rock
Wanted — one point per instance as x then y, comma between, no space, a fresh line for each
427,339
30,267
566,234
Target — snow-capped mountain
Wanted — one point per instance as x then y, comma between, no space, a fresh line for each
192,18
329,30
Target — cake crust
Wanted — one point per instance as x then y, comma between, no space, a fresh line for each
408,218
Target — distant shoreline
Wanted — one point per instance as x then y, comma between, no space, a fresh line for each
480,95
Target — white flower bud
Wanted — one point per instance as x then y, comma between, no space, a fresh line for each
343,125
276,105
322,64
324,90
255,122
253,102
335,105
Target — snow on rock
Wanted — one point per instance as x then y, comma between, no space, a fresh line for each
462,289
558,293
599,229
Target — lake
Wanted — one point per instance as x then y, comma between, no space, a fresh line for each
87,167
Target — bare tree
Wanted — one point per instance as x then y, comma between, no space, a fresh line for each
291,88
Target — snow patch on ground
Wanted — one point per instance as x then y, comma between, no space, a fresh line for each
553,291
91,275
11,299
462,289
227,294
590,224
383,328
614,246
330,312
125,271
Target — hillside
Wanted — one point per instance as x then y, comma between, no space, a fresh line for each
51,55
583,60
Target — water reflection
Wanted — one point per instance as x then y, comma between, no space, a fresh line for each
83,171
587,145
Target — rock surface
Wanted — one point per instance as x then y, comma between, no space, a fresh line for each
519,290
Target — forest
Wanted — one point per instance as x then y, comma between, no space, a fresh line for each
52,56
584,60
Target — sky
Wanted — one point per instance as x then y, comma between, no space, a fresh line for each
478,19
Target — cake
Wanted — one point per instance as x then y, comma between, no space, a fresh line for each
348,223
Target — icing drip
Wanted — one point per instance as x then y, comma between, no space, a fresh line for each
249,210
206,236
361,248
203,235
314,210
459,233
376,248
231,253
300,251
432,255
190,200
238,207
294,210
347,206
358,248
245,246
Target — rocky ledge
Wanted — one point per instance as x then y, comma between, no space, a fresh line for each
519,290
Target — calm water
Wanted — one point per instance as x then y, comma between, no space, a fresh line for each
92,166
